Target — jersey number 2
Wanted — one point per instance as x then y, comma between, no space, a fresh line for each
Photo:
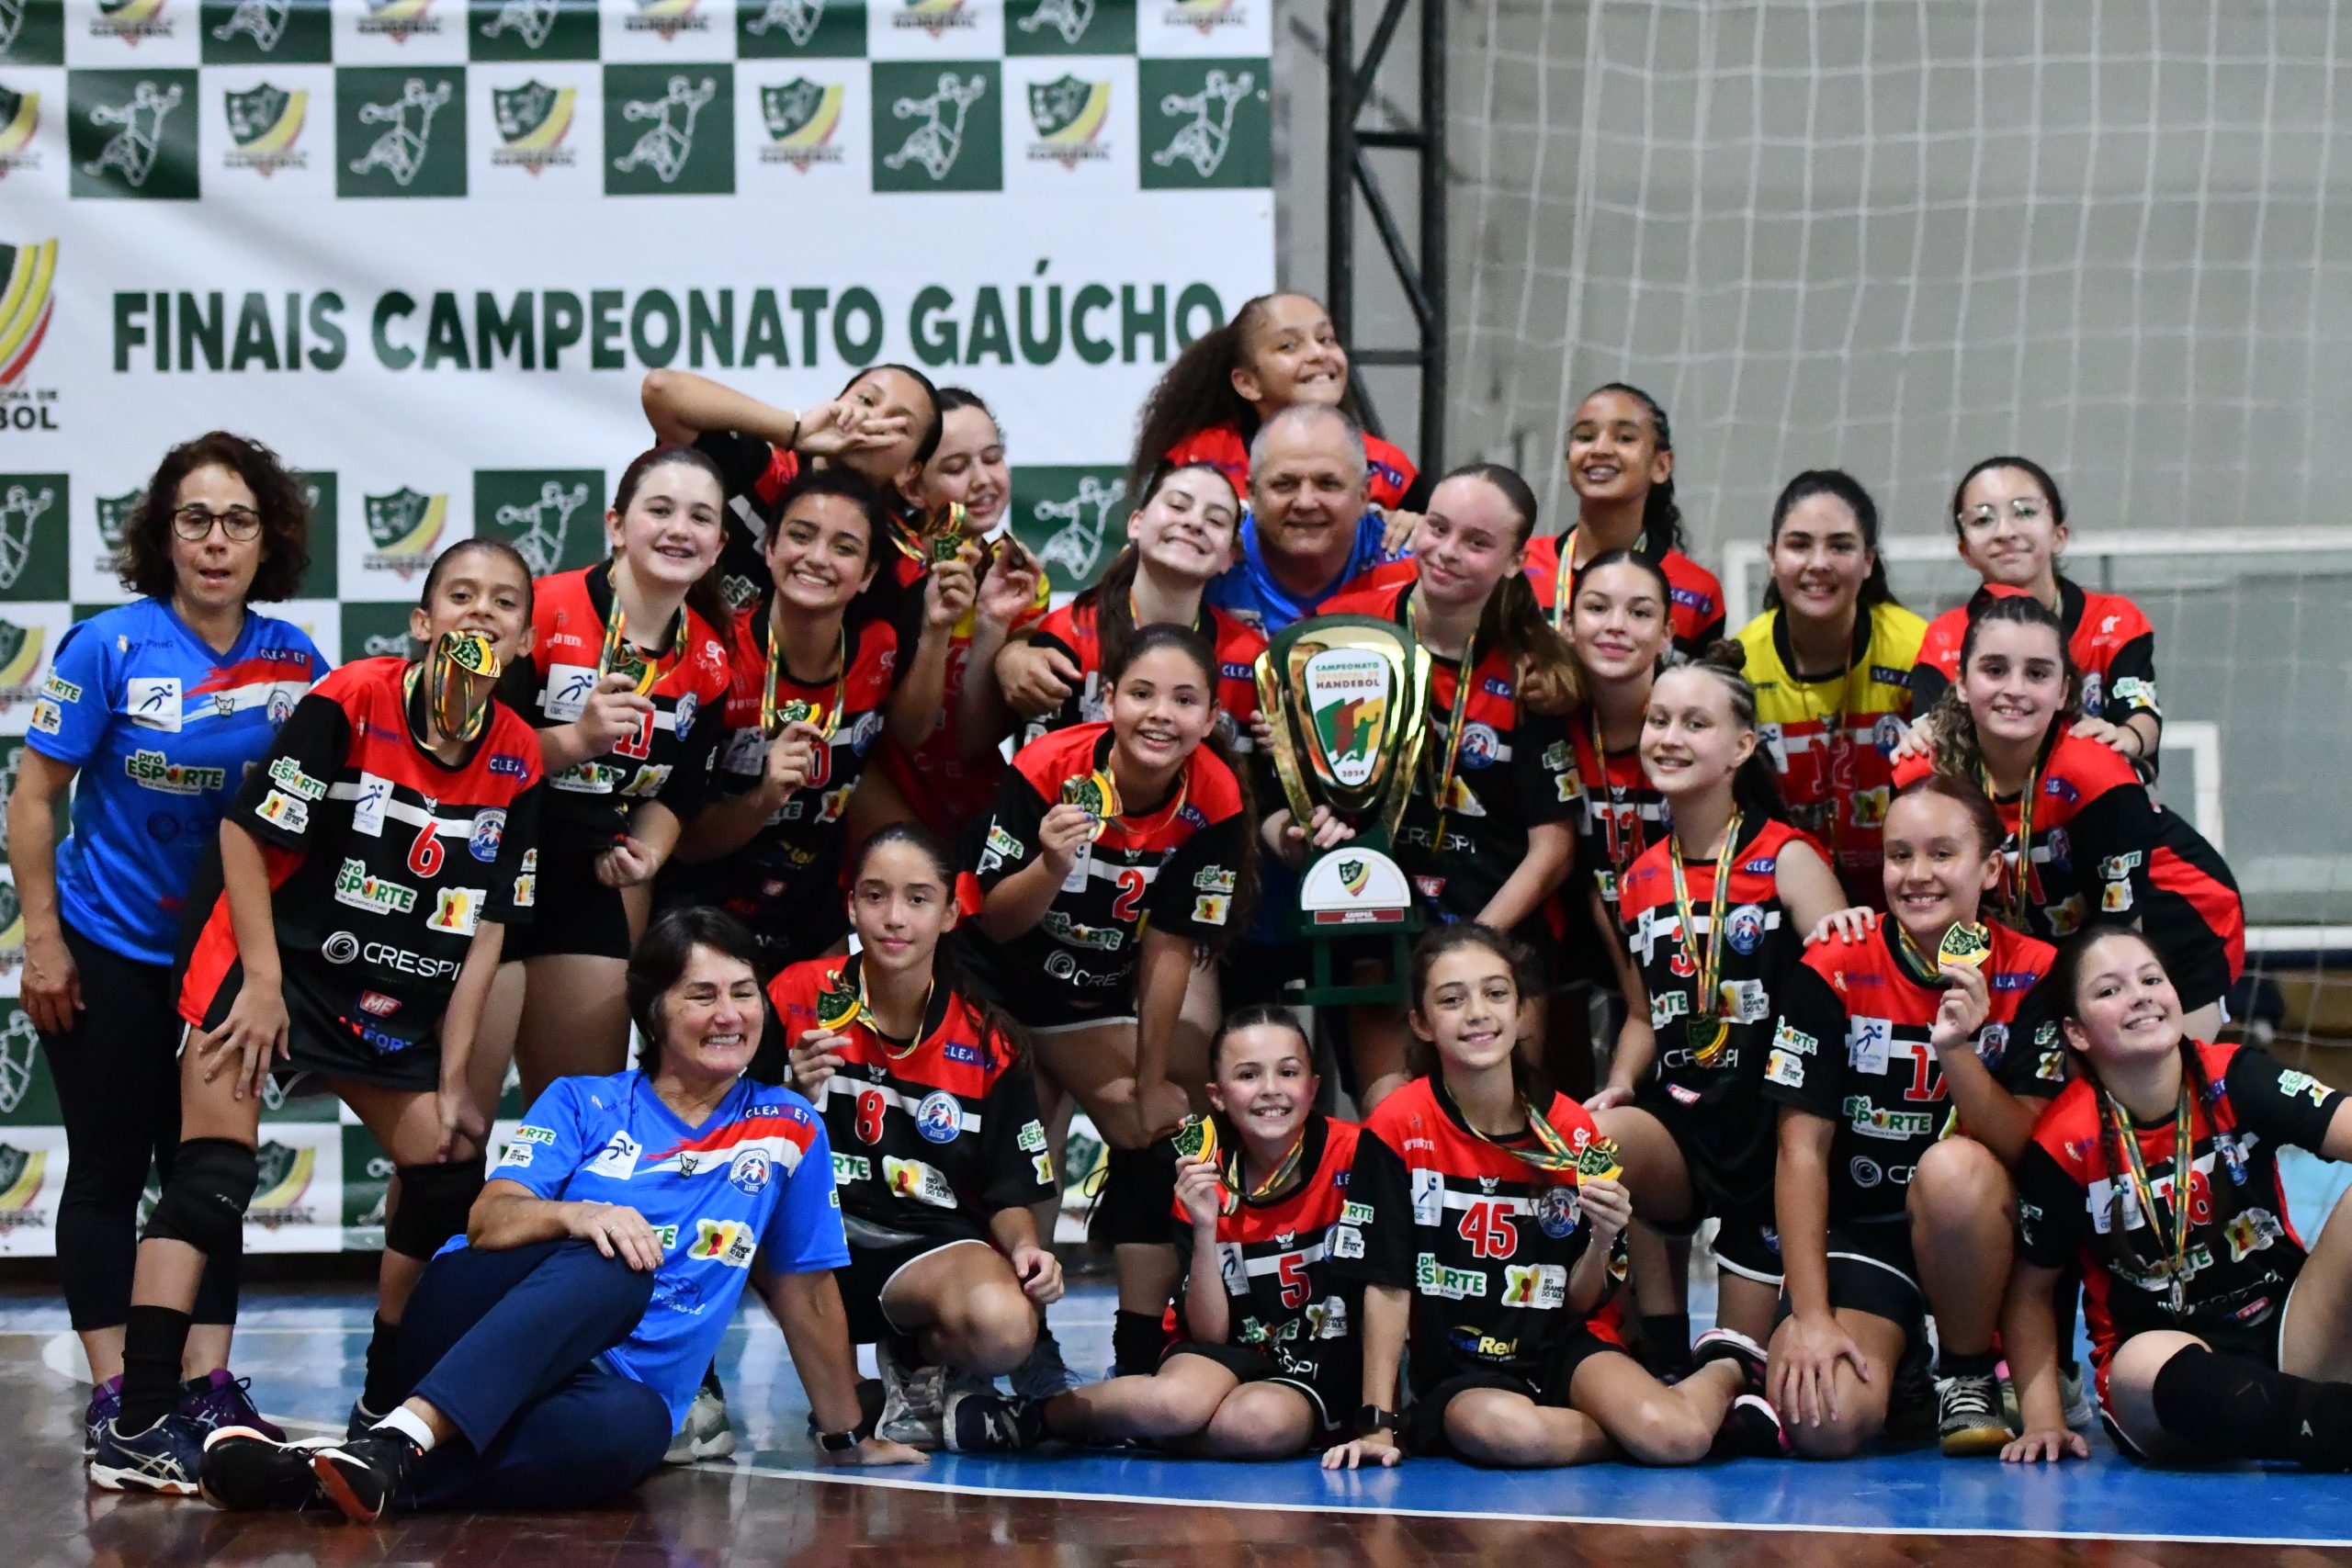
1131,891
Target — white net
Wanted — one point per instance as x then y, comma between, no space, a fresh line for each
1896,236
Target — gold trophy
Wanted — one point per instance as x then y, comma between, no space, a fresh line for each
1345,697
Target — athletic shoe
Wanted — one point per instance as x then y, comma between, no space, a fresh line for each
1751,1430
106,1403
2073,1389
361,1475
1968,1415
216,1400
361,1418
706,1434
244,1469
1730,1345
1044,1375
1911,1396
915,1398
992,1424
164,1458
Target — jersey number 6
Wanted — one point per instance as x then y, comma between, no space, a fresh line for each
425,855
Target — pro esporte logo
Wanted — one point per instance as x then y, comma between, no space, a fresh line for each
1069,116
265,123
801,119
532,121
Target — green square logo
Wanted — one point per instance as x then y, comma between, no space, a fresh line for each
132,133
1072,519
399,130
531,29
320,494
1207,124
549,515
775,29
32,32
27,1097
113,515
669,130
1069,27
938,126
34,513
372,630
265,32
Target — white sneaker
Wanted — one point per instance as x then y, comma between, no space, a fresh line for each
914,1400
706,1434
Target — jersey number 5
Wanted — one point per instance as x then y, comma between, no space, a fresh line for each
1292,1271
1487,1228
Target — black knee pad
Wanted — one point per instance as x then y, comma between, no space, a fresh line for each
1138,1194
204,1203
435,1201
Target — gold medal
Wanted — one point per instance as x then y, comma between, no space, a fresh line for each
1196,1138
459,710
775,714
617,658
837,1005
1598,1161
1096,794
1707,1037
1966,945
942,533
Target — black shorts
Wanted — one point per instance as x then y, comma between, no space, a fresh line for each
312,1054
2257,1342
1425,1423
1332,1392
1747,1241
574,913
870,1272
1039,1001
1872,1270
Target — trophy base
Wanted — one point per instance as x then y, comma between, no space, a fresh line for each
1355,891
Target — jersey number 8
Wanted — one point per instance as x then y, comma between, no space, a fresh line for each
869,1115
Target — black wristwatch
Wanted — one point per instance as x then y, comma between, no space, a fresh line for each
1373,1418
840,1442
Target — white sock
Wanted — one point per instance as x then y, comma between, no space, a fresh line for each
408,1425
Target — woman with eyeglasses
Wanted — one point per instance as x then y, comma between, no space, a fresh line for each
151,713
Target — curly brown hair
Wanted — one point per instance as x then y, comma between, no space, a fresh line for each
143,560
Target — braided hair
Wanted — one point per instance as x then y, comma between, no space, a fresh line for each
1756,787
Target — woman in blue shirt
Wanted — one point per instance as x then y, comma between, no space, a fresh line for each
549,1354
157,708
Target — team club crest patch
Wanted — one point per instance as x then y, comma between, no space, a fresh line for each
940,1117
750,1171
1556,1212
533,120
1744,929
802,118
1069,116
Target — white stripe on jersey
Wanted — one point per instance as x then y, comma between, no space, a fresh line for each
890,1097
399,810
1272,1263
1509,1205
1659,923
718,1162
237,699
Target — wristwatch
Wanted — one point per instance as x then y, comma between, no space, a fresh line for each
1373,1418
839,1442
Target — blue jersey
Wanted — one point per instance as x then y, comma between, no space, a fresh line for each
1248,591
756,1178
162,729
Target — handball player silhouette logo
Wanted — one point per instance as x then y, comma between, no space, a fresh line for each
1084,523
539,528
264,21
131,151
669,143
19,1043
21,509
12,22
939,141
403,150
798,19
1204,139
528,20
1068,18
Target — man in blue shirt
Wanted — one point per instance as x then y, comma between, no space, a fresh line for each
1311,531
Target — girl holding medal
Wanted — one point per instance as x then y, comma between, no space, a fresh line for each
1717,911
928,1102
1484,1220
2216,1335
346,936
2086,843
624,682
1620,464
1830,659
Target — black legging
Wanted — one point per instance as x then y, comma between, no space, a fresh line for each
117,1077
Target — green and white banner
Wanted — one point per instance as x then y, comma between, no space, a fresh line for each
426,249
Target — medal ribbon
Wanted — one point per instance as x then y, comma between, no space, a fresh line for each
1564,584
1618,795
864,1015
1706,960
1284,1170
771,714
446,681
615,653
2016,882
2184,1173
1552,1152
1466,675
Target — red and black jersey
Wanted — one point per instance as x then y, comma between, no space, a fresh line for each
1617,814
2113,647
1513,770
791,869
1852,1046
2103,850
1696,615
1223,448
930,1136
1070,630
2074,1185
669,759
1176,863
1759,948
1482,1239
1285,1297
383,860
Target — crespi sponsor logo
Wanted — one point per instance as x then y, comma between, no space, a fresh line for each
533,120
131,20
265,124
20,119
283,1184
23,1174
801,117
403,530
1070,115
667,18
20,660
399,20
934,16
27,300
29,503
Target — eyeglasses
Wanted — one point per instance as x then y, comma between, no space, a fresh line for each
194,523
2025,509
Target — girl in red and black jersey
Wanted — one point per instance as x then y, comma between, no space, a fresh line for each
625,680
2011,523
1716,913
2087,842
937,1147
794,745
346,932
1178,541
1265,1361
2216,1335
1620,464
1485,1216
1488,835
1907,1072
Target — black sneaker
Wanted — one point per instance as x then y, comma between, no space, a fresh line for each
990,1424
1911,1413
1730,1345
1751,1430
360,1475
361,1418
1968,1415
244,1469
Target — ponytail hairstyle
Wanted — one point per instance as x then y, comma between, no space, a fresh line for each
1259,1015
1756,787
1661,518
1957,750
708,596
1844,487
2026,466
1421,1057
1544,668
997,1027
1111,599
1193,646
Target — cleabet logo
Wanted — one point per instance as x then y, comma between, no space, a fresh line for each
19,121
264,124
400,133
1069,116
801,117
532,121
950,147
403,528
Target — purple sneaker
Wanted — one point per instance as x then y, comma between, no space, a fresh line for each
217,1400
106,1403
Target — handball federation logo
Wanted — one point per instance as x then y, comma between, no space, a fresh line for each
264,123
532,121
19,119
801,117
130,20
400,19
935,17
1069,116
403,529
